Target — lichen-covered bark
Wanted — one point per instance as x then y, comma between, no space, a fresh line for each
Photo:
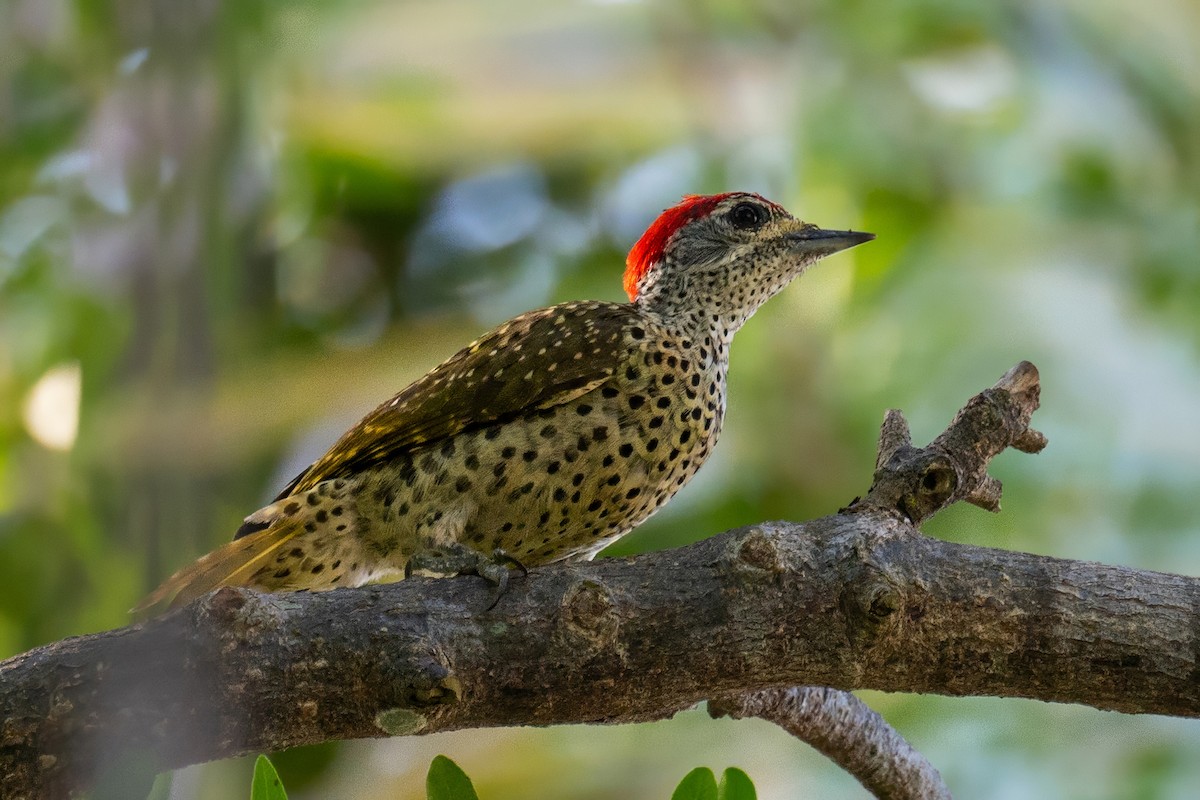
860,599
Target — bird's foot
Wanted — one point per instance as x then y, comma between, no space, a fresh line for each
456,559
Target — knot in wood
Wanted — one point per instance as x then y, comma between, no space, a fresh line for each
939,480
936,484
756,554
881,602
588,612
436,685
224,604
239,612
870,602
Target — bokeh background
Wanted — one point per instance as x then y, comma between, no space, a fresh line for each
228,229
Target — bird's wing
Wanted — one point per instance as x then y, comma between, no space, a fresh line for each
538,360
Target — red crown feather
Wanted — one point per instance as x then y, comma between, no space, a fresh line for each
649,249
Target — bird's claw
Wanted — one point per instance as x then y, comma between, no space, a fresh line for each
502,557
457,559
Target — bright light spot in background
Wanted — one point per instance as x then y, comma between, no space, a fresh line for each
51,411
24,222
645,189
492,209
480,214
106,184
65,166
130,63
975,80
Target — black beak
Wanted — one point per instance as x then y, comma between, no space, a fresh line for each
821,242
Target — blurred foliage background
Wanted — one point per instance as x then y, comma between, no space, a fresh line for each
228,229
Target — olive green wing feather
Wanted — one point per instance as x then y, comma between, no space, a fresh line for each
537,360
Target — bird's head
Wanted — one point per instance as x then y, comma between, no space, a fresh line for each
724,255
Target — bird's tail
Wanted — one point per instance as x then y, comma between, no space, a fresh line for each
249,561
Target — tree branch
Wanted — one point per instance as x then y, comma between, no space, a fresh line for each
859,599
846,730
917,483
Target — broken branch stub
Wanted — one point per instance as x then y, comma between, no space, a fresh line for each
919,482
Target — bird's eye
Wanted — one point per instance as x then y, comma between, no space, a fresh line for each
747,216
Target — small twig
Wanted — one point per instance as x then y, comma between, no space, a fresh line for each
919,482
893,435
845,729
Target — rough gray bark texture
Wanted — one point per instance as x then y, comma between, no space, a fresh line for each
859,599
846,730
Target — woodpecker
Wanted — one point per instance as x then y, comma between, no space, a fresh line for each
546,439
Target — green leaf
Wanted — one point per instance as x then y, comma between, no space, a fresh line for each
447,781
736,785
266,784
161,789
699,784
